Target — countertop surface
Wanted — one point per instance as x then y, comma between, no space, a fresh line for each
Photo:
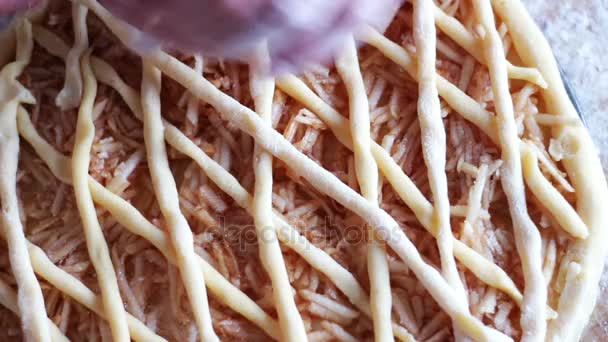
577,31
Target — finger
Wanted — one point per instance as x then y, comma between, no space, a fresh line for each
10,6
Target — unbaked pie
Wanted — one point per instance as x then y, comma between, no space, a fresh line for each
435,184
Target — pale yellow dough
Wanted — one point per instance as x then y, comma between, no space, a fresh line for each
96,243
12,93
262,90
527,236
168,201
367,176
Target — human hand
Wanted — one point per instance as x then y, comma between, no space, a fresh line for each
297,31
9,7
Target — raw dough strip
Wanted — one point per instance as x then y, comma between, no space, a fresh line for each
366,170
51,42
8,298
552,199
290,321
485,270
434,149
433,138
577,300
96,243
527,236
168,201
130,218
30,299
192,112
59,164
70,94
468,108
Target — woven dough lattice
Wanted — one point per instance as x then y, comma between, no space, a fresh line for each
427,187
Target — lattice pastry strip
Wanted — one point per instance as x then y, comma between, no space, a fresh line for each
527,236
168,200
30,300
347,65
433,138
69,96
262,90
96,243
434,149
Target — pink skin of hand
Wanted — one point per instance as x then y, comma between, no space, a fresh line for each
10,6
298,32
